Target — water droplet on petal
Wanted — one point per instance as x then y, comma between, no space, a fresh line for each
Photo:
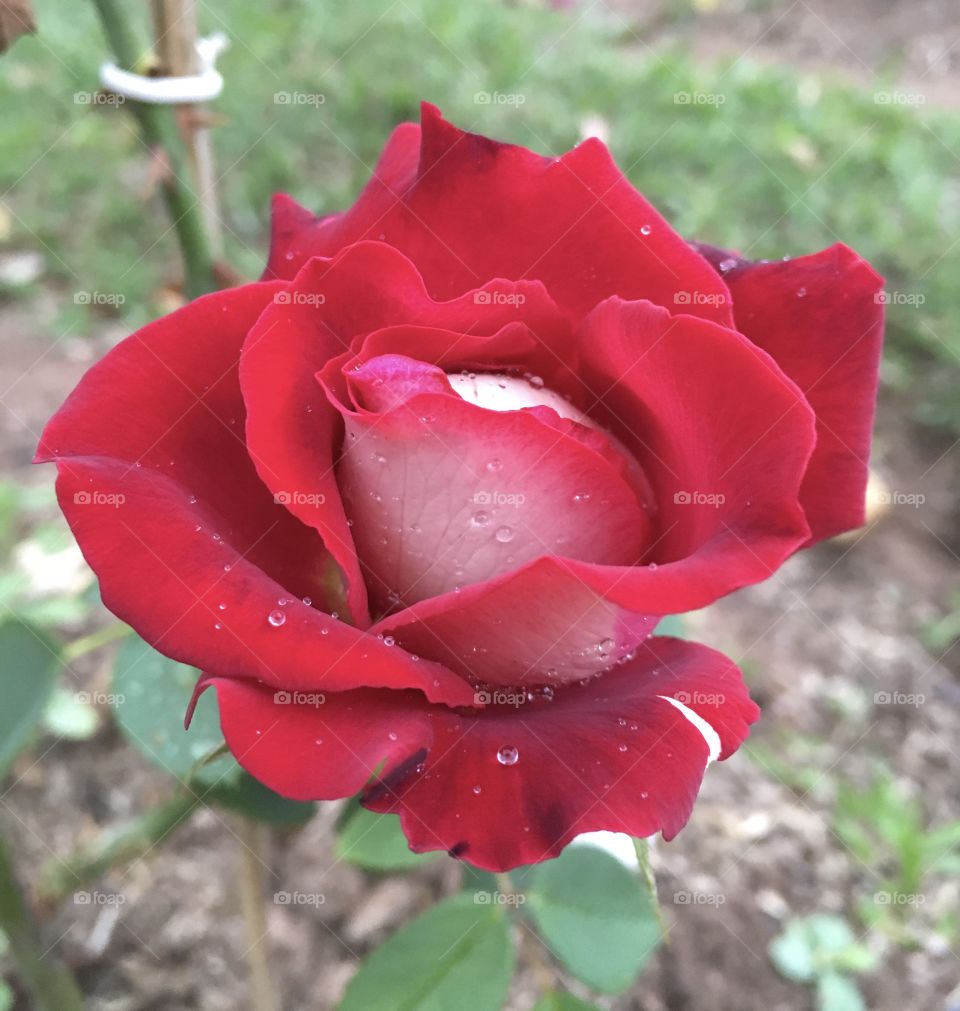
581,497
493,466
622,747
646,229
480,519
308,601
192,500
276,618
508,755
504,534
476,789
392,736
801,292
388,640
727,265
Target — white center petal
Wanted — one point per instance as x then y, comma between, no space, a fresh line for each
710,735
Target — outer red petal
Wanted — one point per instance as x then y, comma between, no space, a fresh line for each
190,548
321,746
612,754
724,437
465,208
293,432
821,318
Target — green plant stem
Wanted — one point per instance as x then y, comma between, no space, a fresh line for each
642,847
122,845
254,915
50,983
88,643
183,208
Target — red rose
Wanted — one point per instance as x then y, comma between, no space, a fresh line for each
501,418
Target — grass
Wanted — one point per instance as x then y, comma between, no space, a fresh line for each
766,161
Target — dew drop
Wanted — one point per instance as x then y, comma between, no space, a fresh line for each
535,381
508,755
652,566
217,626
494,465
801,292
308,601
480,519
645,229
622,748
392,736
388,640
547,693
192,500
504,534
221,606
276,618
476,789
727,265
644,795
581,497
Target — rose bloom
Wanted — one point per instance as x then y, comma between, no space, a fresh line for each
415,502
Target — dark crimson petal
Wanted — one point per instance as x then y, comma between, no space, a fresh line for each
445,494
612,754
293,432
465,208
321,746
160,493
724,438
821,318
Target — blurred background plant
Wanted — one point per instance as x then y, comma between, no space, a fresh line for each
772,127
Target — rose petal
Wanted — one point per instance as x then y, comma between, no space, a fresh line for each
444,493
821,318
189,546
465,208
516,783
293,432
321,746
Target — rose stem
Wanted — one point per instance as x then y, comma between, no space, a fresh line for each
254,915
50,983
182,206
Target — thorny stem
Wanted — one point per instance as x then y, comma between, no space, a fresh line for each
184,209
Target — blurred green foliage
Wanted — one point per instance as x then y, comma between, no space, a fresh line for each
763,159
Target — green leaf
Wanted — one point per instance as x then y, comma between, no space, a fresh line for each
376,842
67,716
31,664
595,915
792,952
152,694
6,997
557,1001
457,955
838,993
247,795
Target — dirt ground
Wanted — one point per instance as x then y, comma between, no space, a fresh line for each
835,626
